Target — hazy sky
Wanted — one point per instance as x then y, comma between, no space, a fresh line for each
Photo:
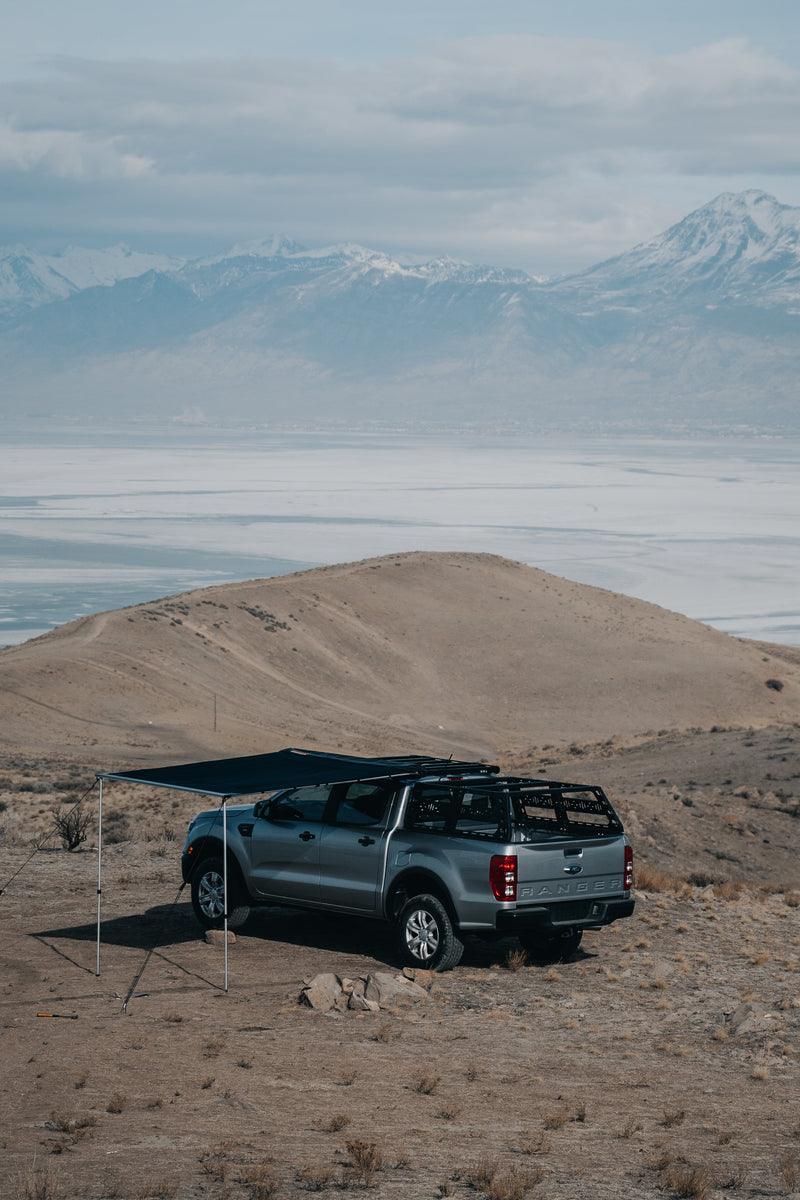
541,135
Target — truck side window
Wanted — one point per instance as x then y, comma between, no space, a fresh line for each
481,814
302,804
428,808
363,804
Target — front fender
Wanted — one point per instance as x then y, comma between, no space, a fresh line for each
205,846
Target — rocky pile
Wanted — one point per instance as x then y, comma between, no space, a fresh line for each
367,993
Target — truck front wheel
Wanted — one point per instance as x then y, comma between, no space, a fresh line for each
208,897
427,938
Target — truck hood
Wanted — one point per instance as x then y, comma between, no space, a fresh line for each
233,812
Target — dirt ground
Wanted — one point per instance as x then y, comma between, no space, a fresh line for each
660,1060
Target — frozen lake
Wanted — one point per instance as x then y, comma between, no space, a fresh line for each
91,522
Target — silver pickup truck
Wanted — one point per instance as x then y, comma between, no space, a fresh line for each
439,849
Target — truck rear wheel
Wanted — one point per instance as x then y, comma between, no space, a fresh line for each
427,938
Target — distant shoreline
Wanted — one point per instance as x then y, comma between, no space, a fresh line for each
102,519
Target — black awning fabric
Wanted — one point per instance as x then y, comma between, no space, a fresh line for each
269,772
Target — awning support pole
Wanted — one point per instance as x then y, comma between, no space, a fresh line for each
225,882
99,870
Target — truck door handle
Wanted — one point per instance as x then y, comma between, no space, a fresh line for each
306,836
366,841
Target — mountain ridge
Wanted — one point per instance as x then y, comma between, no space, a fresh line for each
696,328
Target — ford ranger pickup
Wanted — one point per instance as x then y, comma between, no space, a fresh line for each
436,848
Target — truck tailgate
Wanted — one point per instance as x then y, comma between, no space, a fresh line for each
570,870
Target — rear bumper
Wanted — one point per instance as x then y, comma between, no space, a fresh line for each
572,914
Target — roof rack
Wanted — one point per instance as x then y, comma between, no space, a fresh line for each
420,764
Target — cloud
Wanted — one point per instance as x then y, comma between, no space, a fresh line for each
475,143
67,154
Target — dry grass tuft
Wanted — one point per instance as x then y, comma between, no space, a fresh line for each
259,1181
734,1179
366,1158
214,1162
336,1122
482,1172
514,1184
535,1143
72,1125
316,1179
683,1181
558,1118
38,1185
672,1119
789,1172
730,890
71,1129
425,1084
516,959
652,879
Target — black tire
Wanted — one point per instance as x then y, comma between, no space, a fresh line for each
208,897
551,948
426,935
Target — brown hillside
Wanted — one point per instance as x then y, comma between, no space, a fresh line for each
441,653
660,1059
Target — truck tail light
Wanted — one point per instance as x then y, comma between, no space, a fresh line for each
628,884
503,876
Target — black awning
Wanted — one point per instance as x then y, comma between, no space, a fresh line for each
286,768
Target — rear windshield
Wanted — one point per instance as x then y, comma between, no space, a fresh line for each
510,810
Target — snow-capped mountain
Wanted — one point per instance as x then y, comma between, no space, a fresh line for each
28,279
102,268
698,327
742,246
